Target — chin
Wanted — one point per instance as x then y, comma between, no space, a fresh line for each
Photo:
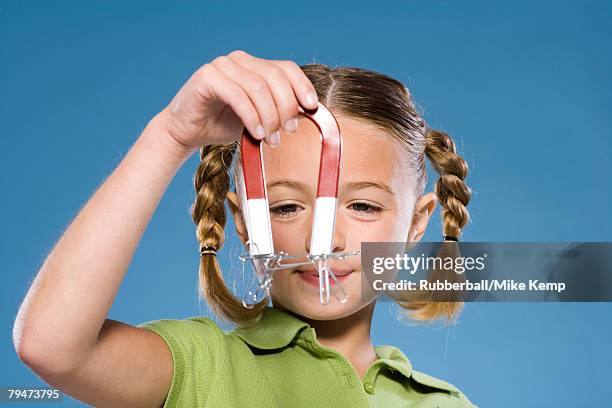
300,295
316,311
305,301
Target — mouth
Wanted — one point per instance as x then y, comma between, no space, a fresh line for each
311,276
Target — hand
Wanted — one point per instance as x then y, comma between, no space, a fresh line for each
236,91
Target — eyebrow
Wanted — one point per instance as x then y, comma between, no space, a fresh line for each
295,185
360,185
353,185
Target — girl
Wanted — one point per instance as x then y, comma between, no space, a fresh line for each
297,352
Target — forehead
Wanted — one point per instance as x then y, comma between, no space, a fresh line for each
368,154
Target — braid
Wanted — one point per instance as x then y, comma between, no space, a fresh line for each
450,189
454,195
211,183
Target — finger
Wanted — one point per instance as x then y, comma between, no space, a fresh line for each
257,89
233,95
280,87
302,86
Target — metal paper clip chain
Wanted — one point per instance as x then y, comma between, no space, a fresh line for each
264,267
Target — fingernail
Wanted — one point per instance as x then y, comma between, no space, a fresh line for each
311,98
291,125
274,139
260,131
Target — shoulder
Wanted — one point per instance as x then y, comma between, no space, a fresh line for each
198,346
188,334
459,398
188,329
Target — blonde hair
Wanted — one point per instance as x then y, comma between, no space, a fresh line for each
361,94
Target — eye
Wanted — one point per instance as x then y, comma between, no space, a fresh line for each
285,211
366,208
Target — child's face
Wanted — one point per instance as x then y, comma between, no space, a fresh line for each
364,212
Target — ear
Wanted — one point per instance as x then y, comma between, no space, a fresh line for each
232,199
423,209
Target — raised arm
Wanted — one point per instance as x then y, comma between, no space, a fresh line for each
61,331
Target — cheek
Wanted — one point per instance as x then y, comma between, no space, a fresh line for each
396,227
289,237
389,228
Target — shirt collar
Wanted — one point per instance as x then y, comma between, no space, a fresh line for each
394,359
277,329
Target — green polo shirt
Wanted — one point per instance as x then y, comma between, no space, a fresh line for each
278,362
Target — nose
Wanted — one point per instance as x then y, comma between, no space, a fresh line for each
338,240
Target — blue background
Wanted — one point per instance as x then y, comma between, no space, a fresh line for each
523,86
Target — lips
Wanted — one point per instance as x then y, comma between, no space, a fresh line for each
339,273
311,276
